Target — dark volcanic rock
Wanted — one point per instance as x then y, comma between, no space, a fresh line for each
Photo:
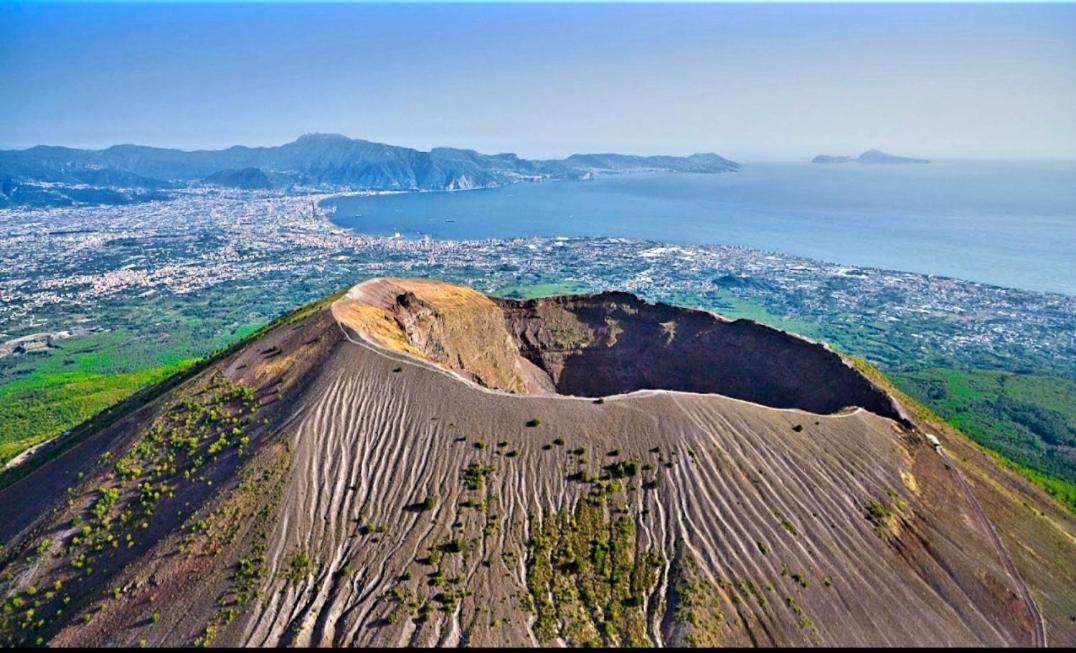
614,343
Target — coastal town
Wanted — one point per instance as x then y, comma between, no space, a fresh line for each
73,270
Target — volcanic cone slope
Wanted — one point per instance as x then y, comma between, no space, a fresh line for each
398,468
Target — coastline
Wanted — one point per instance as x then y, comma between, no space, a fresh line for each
682,209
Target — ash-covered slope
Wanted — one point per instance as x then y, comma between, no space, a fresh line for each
345,479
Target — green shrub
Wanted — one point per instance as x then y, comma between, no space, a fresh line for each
454,545
297,566
877,513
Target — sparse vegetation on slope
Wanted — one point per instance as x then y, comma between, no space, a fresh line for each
588,581
195,428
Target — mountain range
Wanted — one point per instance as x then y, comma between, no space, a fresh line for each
45,175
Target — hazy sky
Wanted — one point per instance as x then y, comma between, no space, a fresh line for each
746,81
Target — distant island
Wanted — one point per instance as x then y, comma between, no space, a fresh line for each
123,174
870,156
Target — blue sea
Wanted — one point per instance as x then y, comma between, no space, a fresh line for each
1007,224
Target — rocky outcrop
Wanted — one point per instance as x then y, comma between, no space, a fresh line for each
454,327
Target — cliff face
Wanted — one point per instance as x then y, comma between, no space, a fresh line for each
322,485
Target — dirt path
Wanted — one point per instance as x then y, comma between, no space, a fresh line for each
1038,639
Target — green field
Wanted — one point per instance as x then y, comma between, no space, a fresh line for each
43,394
1028,420
40,406
542,288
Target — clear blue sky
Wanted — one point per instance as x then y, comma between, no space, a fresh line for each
747,81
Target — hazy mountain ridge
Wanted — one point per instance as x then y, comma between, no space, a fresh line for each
245,178
324,160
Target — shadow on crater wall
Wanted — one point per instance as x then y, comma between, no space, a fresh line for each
613,343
